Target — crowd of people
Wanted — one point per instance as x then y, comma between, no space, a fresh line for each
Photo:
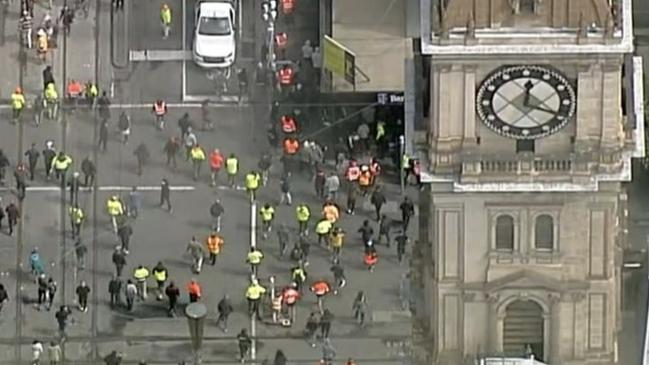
354,173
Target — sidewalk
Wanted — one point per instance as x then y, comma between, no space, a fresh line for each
80,57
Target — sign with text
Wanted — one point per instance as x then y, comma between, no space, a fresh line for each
339,60
390,98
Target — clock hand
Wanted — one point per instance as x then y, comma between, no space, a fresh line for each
528,89
537,107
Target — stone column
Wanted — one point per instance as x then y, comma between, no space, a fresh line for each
612,134
588,115
580,325
470,136
553,351
494,342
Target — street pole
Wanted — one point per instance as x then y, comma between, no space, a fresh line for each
272,296
402,152
22,60
253,244
196,313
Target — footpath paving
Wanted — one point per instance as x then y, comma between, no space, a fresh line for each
80,54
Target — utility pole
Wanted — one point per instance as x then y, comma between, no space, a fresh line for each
402,152
253,244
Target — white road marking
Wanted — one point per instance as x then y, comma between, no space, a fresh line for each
159,55
105,188
237,187
184,70
231,99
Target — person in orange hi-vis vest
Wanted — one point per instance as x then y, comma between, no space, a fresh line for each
291,146
214,246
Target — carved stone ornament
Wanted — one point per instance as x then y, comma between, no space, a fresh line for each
470,27
583,27
443,23
609,25
516,6
554,298
577,296
468,296
492,298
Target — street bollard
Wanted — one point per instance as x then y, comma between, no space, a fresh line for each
196,313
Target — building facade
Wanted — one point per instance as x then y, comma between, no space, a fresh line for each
534,112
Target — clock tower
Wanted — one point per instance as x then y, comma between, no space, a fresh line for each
533,113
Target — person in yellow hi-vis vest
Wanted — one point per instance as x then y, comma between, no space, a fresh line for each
165,18
115,209
17,103
232,168
253,179
197,155
76,219
51,101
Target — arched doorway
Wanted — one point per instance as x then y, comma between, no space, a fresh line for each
523,328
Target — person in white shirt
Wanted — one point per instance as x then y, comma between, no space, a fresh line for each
37,351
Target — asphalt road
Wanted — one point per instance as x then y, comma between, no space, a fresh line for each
146,333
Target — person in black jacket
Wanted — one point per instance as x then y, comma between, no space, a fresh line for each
225,309
165,193
378,199
103,135
125,232
325,323
216,211
89,171
4,162
4,297
32,159
103,102
172,293
12,216
115,291
82,295
49,153
48,77
142,155
119,259
280,358
113,358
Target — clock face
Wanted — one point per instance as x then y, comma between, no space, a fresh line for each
526,102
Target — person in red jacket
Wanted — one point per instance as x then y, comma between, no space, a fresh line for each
371,257
320,288
194,290
216,162
290,297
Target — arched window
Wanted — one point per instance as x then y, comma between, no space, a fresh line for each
505,232
544,232
527,7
